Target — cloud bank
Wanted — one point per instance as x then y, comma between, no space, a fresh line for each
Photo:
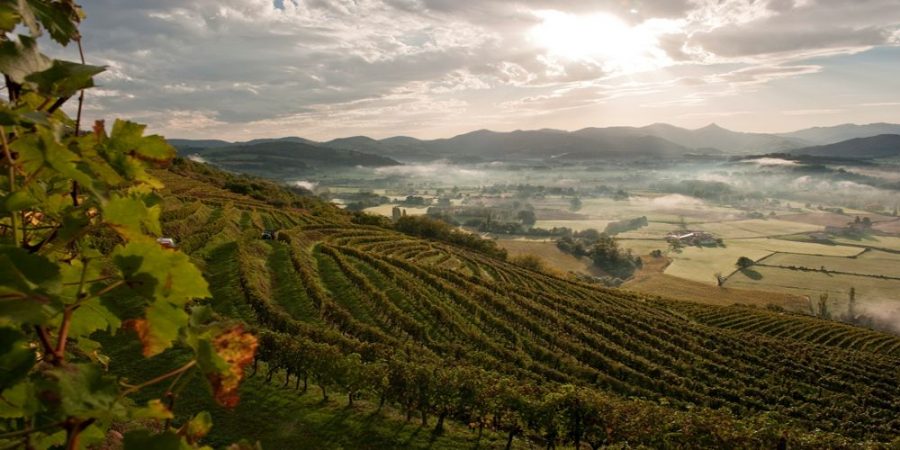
238,69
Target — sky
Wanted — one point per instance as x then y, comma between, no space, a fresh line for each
322,69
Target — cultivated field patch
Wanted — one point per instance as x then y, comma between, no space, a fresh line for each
818,218
891,226
702,263
884,242
551,255
869,263
756,228
870,291
387,209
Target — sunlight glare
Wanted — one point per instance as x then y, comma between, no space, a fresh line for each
601,38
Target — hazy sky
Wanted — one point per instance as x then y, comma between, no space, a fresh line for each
239,69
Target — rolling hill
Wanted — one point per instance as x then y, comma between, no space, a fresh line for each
838,133
882,146
283,157
653,141
405,326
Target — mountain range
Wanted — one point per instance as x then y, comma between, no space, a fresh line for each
881,146
652,141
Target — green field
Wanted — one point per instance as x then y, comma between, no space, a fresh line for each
872,262
702,263
577,225
880,242
756,228
387,210
869,290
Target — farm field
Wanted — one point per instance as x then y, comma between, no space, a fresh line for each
671,208
889,226
552,256
653,230
870,291
872,262
884,242
643,247
651,280
576,225
756,228
702,263
386,210
818,218
789,246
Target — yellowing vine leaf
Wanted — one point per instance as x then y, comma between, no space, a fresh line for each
236,348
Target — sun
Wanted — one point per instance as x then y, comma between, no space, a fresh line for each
601,38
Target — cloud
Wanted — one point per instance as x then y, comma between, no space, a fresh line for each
238,69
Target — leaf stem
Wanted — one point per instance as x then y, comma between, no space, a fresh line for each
160,378
44,336
27,431
12,183
70,309
81,95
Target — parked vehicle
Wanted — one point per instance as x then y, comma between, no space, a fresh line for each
166,242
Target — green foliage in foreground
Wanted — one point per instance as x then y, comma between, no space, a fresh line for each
78,256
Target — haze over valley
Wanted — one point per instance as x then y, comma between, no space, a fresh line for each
449,225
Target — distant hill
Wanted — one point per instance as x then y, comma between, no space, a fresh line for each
713,136
882,146
278,158
540,144
198,143
658,140
405,148
838,133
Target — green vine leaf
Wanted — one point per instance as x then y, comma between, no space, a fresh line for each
21,58
144,440
83,390
60,19
160,327
9,17
156,273
27,282
128,137
16,357
130,216
64,78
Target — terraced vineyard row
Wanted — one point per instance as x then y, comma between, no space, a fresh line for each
365,309
793,326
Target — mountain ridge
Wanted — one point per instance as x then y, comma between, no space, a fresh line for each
880,146
657,140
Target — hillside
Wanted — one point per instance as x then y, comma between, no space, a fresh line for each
284,157
882,146
448,334
716,139
838,133
652,141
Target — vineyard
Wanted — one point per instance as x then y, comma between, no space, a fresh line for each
350,307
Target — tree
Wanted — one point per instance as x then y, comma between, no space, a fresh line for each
575,204
823,306
530,262
527,217
78,256
720,280
851,306
744,262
